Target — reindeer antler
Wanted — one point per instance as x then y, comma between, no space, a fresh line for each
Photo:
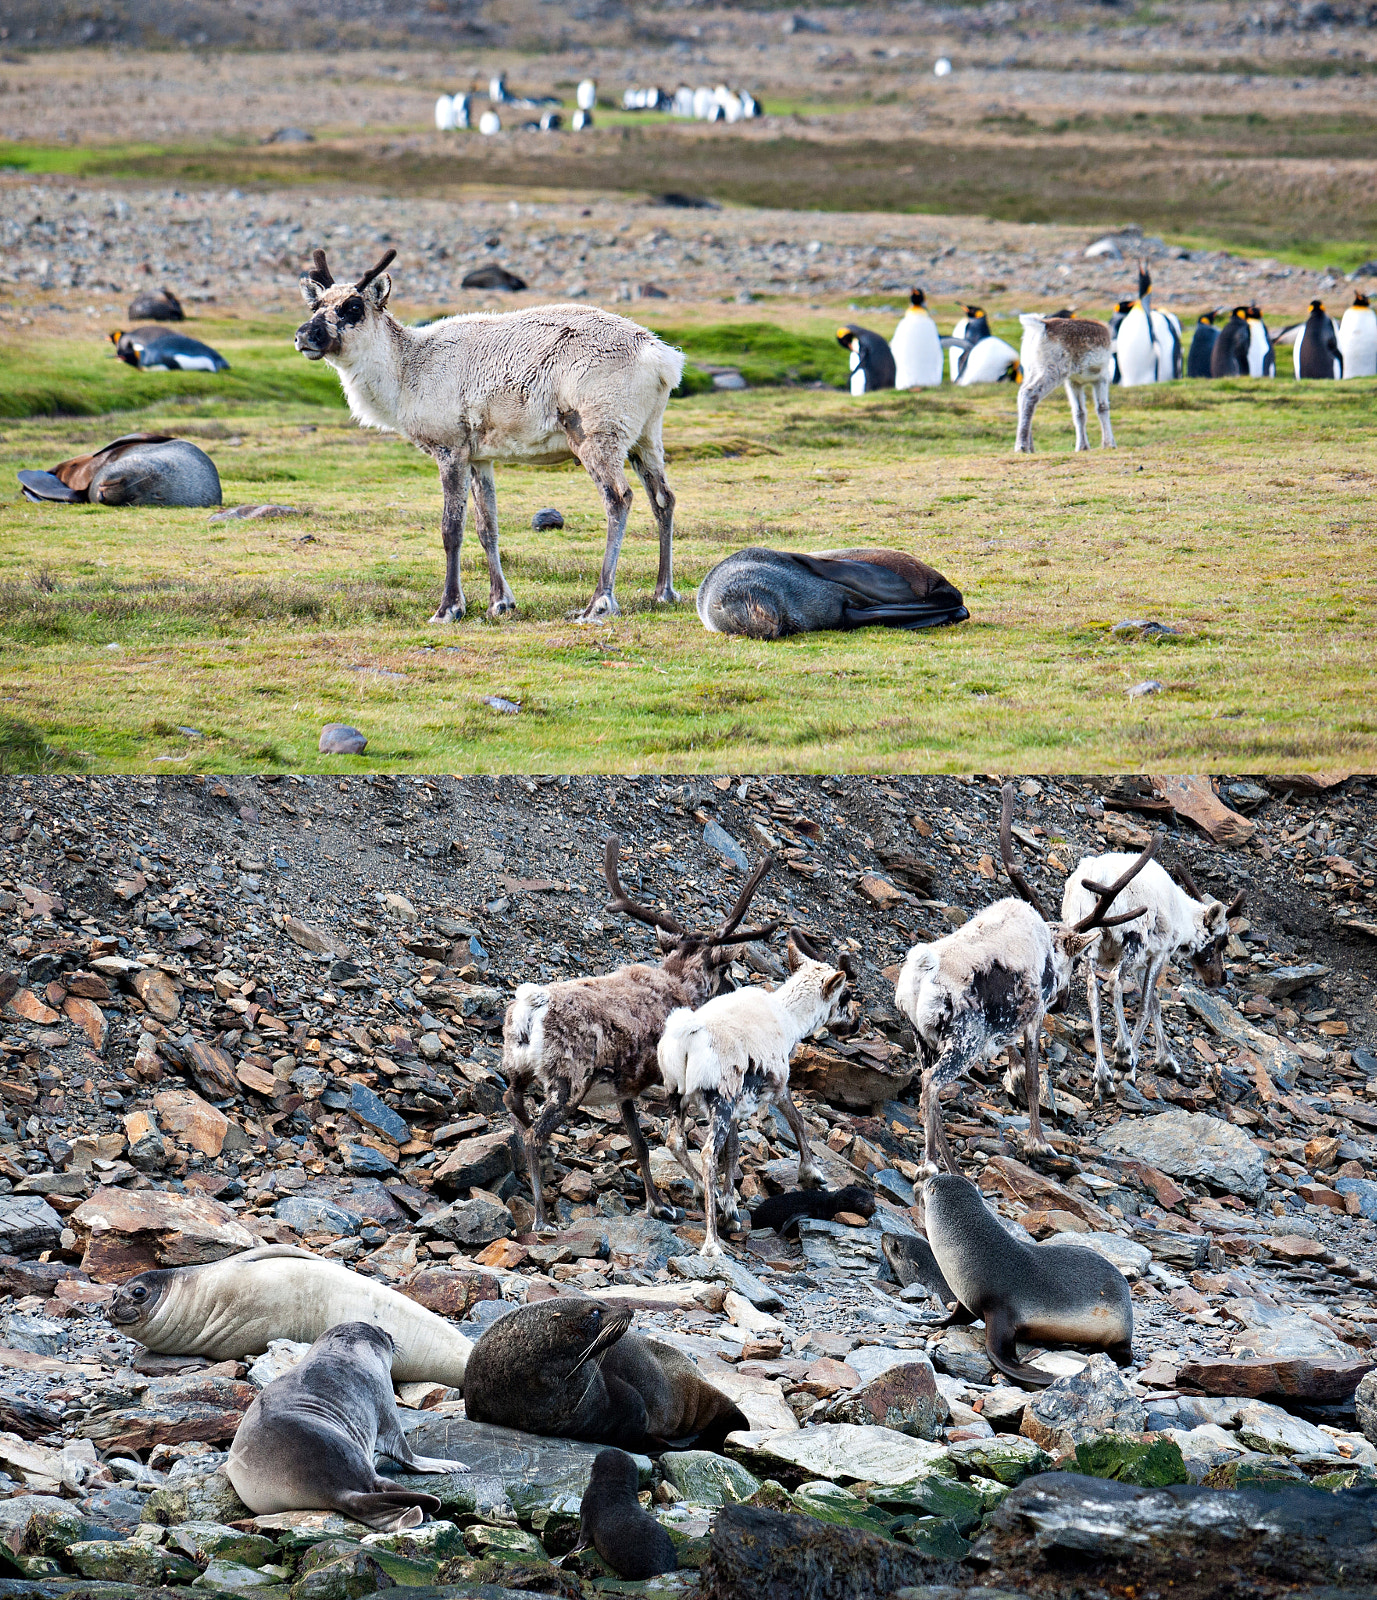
320,273
1108,892
621,901
374,272
1181,872
1006,853
1236,904
727,933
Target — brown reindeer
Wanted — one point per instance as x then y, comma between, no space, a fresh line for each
592,1041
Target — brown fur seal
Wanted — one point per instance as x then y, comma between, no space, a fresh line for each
1048,1295
307,1442
911,1261
567,1368
232,1308
629,1539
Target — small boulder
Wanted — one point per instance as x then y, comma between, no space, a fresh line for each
549,518
339,739
1093,1401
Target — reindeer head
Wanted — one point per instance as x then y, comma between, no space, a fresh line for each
829,987
1210,929
709,953
340,312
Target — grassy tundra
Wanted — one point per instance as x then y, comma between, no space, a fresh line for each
1237,512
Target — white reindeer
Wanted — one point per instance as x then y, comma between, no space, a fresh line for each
1173,922
539,385
973,993
730,1057
1076,351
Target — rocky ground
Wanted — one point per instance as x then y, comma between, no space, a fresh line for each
253,1010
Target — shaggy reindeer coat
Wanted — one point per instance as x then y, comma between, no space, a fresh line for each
1173,924
730,1058
1070,350
539,385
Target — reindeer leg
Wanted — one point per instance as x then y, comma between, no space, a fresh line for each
1125,1056
552,1114
1076,395
731,1216
1150,1010
655,1203
455,474
1032,1086
714,1143
501,600
602,460
1102,410
1104,1078
809,1172
649,462
948,1069
678,1143
1033,391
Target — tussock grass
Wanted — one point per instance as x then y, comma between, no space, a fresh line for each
1237,512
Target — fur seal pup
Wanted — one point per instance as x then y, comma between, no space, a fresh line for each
611,1519
911,1261
1049,1295
782,1211
232,1308
307,1442
568,1368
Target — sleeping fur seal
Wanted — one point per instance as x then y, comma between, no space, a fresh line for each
138,469
307,1442
232,1308
567,1368
782,1211
1043,1294
629,1540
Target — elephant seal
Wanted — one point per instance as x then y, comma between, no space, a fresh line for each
629,1540
568,1369
307,1442
768,594
159,305
782,1211
232,1308
911,1261
140,469
1050,1295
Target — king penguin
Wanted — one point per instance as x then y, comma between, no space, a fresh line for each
1202,346
1147,344
968,330
1262,360
1358,339
872,364
1315,353
917,347
1229,357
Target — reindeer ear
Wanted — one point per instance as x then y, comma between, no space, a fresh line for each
310,289
832,983
378,291
793,956
1076,943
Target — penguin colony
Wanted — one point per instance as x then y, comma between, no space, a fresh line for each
457,112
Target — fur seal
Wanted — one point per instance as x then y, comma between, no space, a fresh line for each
232,1308
159,305
307,1442
568,1369
139,469
782,1211
629,1539
911,1261
1049,1295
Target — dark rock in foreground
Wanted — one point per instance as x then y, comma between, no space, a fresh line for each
1059,1528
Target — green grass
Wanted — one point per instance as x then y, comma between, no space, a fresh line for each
1238,512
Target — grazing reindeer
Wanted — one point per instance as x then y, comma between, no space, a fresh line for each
973,993
730,1057
1075,351
1173,922
538,385
589,1041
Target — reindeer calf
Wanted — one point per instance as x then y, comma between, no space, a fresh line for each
730,1057
1172,923
1071,350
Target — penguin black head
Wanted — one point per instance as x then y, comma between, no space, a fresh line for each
847,338
1241,312
1207,317
1144,279
975,312
1255,311
1360,299
917,298
1316,307
1066,311
1124,307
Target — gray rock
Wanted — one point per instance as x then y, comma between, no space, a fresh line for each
476,1221
961,1352
549,518
280,1356
904,1398
1202,1448
844,1452
28,1225
339,739
1279,982
1095,1400
1297,1337
717,838
636,1241
1276,1432
41,1336
1365,1402
1222,1019
374,1112
757,1554
1184,1144
311,1214
1131,1259
722,1269
131,1561
1366,1191
705,1479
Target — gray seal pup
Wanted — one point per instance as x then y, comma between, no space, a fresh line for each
911,1261
307,1442
611,1519
1043,1294
232,1308
568,1369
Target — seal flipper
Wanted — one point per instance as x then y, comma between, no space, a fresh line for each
628,1421
392,1443
388,1510
1002,1349
1121,1354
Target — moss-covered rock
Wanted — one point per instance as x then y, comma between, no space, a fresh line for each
1129,1460
235,1577
961,1503
204,1540
829,1502
990,1490
131,1561
206,1497
516,1543
1007,1458
351,1574
772,1496
934,1536
432,1541
706,1479
1254,1472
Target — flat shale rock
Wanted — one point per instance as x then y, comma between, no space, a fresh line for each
125,1231
770,1555
1200,1543
482,1162
174,1411
1187,1144
842,1451
1300,1377
28,1225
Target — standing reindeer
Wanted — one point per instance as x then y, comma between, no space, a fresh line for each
976,991
592,1041
537,385
1075,351
1174,921
730,1057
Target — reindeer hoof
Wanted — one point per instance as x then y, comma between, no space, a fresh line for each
601,608
502,607
545,1228
667,597
711,1248
450,613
